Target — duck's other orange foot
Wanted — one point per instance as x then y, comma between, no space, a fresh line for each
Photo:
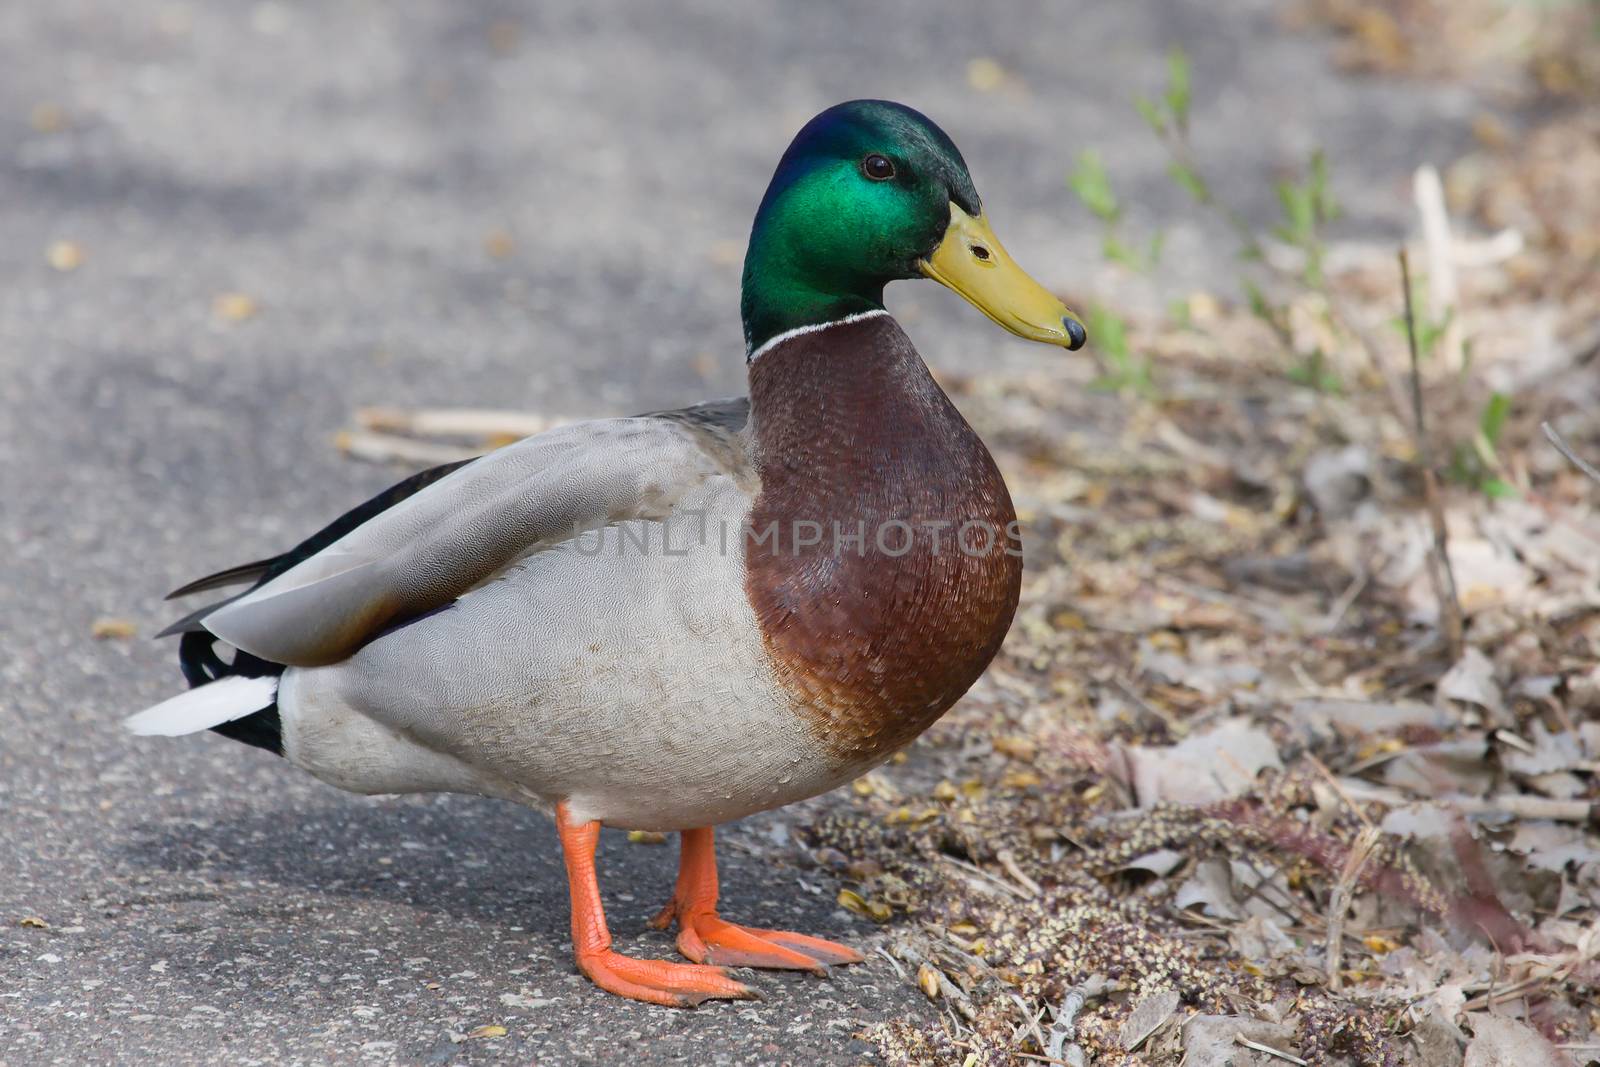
706,938
675,985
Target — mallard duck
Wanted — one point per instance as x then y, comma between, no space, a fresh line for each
675,620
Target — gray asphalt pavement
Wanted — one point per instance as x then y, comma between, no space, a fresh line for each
347,166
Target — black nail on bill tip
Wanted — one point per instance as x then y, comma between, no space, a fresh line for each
1076,334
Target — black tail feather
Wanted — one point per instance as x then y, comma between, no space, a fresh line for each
197,655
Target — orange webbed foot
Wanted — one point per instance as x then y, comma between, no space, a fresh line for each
675,985
705,937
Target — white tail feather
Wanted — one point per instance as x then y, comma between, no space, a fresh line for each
206,706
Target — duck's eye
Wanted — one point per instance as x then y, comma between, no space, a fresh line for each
877,167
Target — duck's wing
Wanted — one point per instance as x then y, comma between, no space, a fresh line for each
261,571
464,528
264,570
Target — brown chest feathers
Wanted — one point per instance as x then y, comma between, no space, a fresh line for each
883,561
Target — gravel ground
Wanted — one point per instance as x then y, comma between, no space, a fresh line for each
454,204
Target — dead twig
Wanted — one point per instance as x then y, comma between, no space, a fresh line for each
1174,725
1063,1044
1438,245
983,880
1339,907
481,423
1008,861
1268,616
1339,790
392,448
936,984
1301,914
1342,605
1493,997
1439,570
1566,450
1518,804
1269,1050
1032,1017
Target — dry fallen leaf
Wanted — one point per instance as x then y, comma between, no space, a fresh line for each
1160,862
234,307
1149,1015
1420,822
1017,747
1501,1042
1471,681
1202,768
491,1030
47,117
853,902
726,253
107,628
985,74
1459,766
1211,887
1552,846
1545,753
1212,1041
504,37
1337,480
1208,679
928,980
64,256
1262,937
1486,573
499,244
1355,718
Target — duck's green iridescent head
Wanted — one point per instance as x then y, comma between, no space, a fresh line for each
868,192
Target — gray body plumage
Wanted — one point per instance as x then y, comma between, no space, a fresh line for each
561,620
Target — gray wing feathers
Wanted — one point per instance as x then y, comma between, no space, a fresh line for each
463,530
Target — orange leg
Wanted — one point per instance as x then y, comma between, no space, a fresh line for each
677,985
706,938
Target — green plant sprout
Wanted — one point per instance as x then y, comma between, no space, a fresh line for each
1316,372
1124,371
1306,206
1173,106
1476,462
1430,331
1092,186
1168,119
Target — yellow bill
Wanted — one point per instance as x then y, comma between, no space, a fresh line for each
972,261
